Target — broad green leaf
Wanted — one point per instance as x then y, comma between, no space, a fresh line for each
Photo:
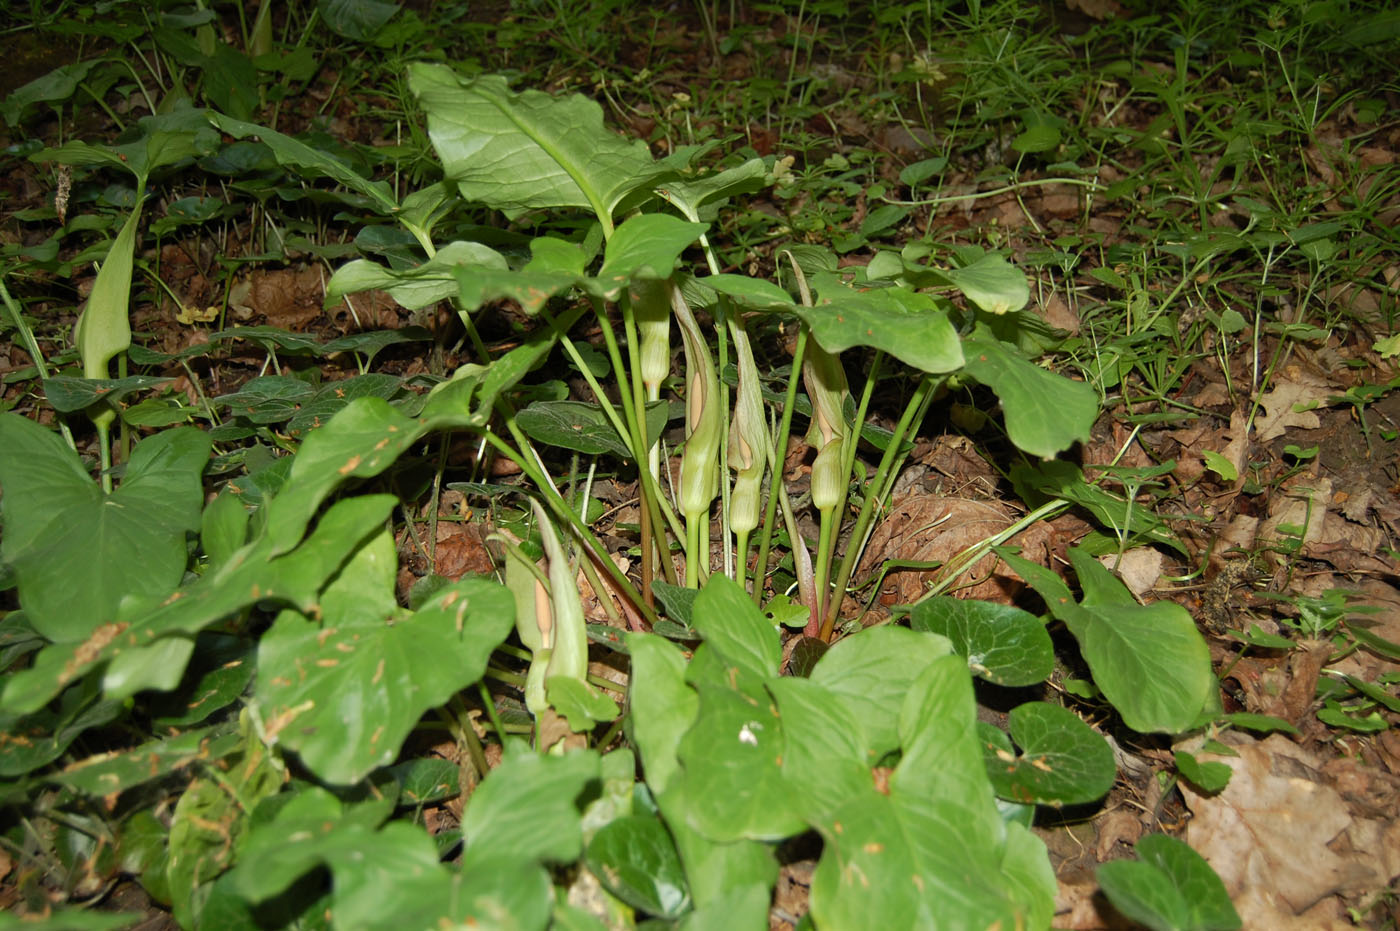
826,759
529,806
253,575
992,283
386,877
77,553
424,780
1002,644
221,669
268,398
874,672
108,774
942,752
294,153
73,394
581,703
360,20
740,904
1062,760
907,325
751,293
582,426
1045,412
1170,887
334,396
158,142
58,85
927,848
658,684
522,151
361,441
104,328
40,737
1150,661
910,861
732,769
480,284
1208,776
691,194
648,245
636,860
733,626
424,208
345,691
415,288
1059,479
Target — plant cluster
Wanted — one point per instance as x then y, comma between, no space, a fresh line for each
214,682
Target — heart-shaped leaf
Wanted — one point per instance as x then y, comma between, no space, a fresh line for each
1002,643
1062,760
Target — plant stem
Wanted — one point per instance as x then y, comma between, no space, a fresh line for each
780,439
918,404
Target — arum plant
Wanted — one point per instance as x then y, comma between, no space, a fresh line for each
103,331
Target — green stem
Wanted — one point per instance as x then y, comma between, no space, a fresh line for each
779,455
825,545
915,409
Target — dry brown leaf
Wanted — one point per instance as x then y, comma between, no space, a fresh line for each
926,528
1296,387
1140,568
1267,833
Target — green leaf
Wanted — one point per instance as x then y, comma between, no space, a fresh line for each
422,286
732,769
77,553
992,283
1150,661
297,154
873,673
1209,777
692,194
529,806
359,20
74,394
159,141
1002,644
581,703
424,780
1171,888
658,684
636,860
1062,760
648,245
826,754
222,668
253,575
733,626
1059,479
1045,413
363,656
522,151
907,325
361,441
268,398
40,737
582,426
931,850
108,774
58,85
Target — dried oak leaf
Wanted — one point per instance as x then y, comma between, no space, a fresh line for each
1270,834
